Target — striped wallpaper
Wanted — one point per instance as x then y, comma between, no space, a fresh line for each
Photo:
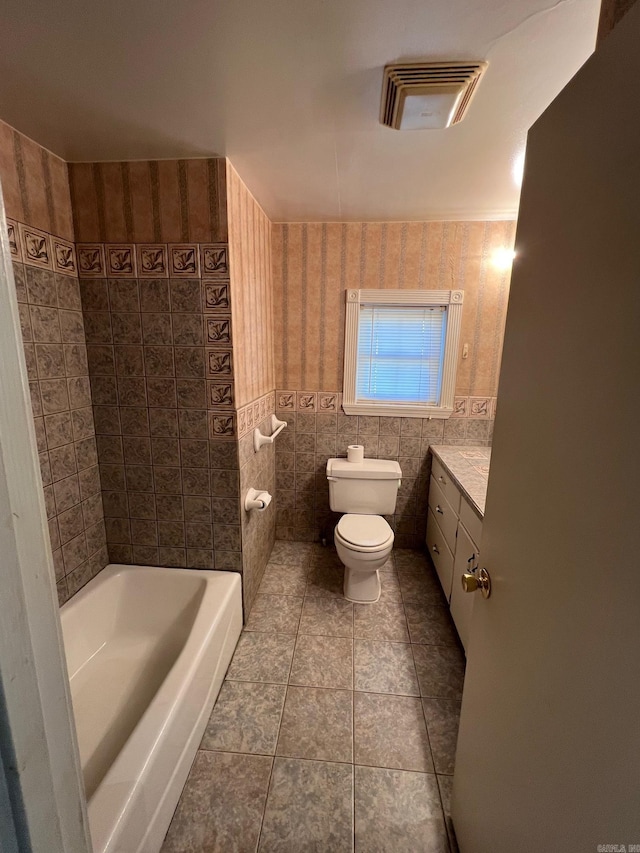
34,184
150,201
313,264
251,292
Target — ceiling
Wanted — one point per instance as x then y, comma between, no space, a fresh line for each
289,90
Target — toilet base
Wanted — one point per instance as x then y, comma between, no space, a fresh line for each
361,586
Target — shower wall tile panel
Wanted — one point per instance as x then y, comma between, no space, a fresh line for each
40,230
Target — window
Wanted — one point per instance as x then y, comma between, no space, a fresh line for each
400,352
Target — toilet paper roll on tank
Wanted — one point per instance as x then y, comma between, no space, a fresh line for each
355,453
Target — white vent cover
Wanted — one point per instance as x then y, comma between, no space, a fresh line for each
428,95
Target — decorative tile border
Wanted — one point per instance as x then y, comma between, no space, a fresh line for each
308,401
217,330
249,416
15,246
36,247
216,296
64,256
220,395
480,407
219,363
222,426
184,260
331,401
91,260
161,260
214,260
152,260
121,260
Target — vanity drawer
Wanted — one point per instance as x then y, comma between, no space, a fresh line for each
445,482
440,554
471,521
443,513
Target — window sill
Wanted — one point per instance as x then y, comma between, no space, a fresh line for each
395,410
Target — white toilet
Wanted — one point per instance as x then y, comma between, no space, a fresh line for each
364,491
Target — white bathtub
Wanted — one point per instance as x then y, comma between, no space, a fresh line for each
147,650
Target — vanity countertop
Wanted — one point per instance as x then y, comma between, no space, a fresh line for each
469,468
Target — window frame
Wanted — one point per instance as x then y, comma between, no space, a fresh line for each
452,300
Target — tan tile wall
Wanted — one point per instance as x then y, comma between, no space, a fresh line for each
38,207
169,472
252,290
311,438
313,264
54,343
151,201
257,470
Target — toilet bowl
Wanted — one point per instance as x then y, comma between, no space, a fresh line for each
363,543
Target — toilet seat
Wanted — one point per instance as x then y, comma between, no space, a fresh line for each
364,533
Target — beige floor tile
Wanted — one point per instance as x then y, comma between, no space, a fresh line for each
323,662
317,723
245,718
389,731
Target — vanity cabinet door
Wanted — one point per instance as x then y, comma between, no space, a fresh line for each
440,554
443,513
462,602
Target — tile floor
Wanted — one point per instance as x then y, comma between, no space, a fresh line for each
336,725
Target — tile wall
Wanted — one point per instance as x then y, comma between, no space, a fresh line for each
37,203
257,470
302,451
160,359
181,359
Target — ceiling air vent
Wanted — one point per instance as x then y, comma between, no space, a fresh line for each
428,95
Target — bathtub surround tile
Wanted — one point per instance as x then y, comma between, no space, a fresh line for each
398,810
384,667
390,731
262,657
246,718
302,796
323,662
443,721
222,804
318,724
278,614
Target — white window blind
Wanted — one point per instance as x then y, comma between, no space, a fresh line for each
401,352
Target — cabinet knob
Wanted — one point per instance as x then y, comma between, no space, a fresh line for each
434,548
439,509
441,479
471,581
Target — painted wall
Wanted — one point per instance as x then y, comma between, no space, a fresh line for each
150,201
254,370
314,263
38,206
252,289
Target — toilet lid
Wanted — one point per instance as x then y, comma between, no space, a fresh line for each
364,530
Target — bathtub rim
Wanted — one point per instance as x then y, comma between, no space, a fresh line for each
112,806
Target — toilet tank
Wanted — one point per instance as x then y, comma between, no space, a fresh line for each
369,487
